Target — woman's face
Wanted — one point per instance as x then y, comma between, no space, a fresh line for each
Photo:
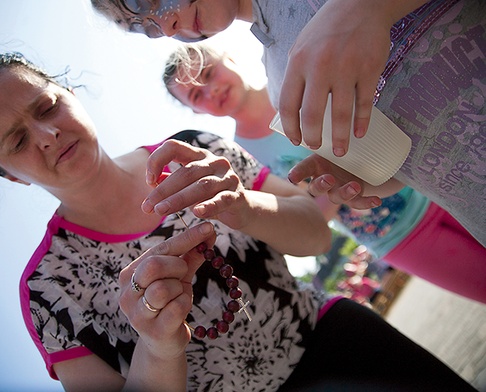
46,137
220,90
185,20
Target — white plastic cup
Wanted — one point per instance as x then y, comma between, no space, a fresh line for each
375,158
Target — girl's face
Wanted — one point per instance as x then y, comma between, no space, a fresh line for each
220,90
186,20
46,137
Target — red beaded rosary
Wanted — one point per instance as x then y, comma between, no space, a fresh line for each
236,305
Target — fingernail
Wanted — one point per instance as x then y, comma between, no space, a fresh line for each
324,183
200,210
339,152
359,132
162,207
206,228
288,178
149,178
147,206
314,147
294,142
351,191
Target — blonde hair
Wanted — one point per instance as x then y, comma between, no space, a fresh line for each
186,64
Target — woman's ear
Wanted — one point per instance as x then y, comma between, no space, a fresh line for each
15,179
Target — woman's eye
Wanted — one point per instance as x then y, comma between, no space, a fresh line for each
47,107
196,96
19,143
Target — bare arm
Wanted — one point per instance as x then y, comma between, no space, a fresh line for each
282,215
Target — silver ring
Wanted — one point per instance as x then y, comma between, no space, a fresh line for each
135,286
148,306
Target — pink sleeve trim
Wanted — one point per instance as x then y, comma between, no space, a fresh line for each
24,292
66,355
260,179
153,147
39,253
328,306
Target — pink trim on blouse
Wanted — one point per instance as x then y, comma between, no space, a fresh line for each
328,306
260,179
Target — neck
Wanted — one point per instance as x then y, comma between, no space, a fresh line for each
256,113
109,202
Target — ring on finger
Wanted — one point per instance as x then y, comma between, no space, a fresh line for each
148,306
135,286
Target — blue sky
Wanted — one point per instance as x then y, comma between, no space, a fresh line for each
124,96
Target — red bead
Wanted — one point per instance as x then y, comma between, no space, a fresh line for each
228,316
209,254
217,262
201,247
232,282
212,333
200,332
226,270
235,293
233,306
222,326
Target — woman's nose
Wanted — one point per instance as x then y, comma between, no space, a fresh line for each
46,135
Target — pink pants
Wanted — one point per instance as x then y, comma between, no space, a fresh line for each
442,252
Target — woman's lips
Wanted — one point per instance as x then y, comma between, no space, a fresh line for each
67,152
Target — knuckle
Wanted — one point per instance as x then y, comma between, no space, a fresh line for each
207,184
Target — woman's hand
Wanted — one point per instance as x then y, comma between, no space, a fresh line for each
205,182
156,296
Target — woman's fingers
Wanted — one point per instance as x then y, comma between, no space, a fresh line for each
200,178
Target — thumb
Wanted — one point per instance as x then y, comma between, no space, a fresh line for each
180,244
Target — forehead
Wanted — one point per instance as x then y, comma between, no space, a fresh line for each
22,76
19,87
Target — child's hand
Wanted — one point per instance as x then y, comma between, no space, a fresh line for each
340,186
342,51
162,278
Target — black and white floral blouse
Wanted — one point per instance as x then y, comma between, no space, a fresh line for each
69,296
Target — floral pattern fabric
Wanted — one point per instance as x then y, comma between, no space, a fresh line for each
71,292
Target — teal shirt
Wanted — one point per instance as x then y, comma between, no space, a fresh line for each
275,151
382,228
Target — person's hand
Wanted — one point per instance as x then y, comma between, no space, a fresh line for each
326,178
342,50
205,182
163,276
